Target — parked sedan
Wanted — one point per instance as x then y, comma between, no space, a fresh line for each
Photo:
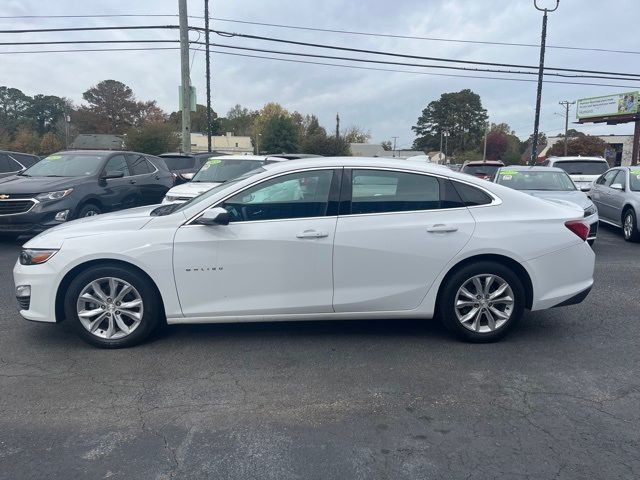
485,169
616,193
552,184
313,239
79,183
185,165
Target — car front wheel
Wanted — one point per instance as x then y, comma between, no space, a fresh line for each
481,302
112,306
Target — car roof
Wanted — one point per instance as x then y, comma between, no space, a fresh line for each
100,152
484,162
18,153
588,159
532,168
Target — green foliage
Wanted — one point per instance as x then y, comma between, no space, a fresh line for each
586,145
199,120
153,138
113,104
459,113
280,135
321,144
468,156
239,120
356,134
387,145
49,144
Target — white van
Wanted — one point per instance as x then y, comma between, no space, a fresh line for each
582,170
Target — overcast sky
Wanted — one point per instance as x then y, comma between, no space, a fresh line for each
385,103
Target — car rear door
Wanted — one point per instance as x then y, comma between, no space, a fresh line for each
274,257
145,176
118,193
395,233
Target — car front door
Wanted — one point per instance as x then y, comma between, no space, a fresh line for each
617,196
118,193
274,257
601,197
393,238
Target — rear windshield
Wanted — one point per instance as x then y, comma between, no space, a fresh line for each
218,170
488,170
66,165
634,179
178,162
582,167
535,180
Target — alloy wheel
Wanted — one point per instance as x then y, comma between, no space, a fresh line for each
628,225
484,303
91,213
110,308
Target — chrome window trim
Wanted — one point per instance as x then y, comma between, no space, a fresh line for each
33,200
19,163
307,169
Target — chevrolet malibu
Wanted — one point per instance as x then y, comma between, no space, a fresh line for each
329,239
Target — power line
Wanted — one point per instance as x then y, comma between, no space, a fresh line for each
330,30
316,45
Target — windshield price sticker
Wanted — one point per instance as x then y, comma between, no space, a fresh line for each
507,177
635,172
53,157
214,161
508,172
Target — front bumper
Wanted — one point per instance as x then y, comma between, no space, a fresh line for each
38,219
43,280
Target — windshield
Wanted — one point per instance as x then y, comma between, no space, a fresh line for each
582,167
484,170
178,162
634,179
209,193
66,165
217,170
535,180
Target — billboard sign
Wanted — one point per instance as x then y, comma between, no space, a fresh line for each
608,105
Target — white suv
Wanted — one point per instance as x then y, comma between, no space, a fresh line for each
582,170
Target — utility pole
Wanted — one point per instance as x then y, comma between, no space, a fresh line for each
446,143
486,133
536,124
208,68
441,140
394,145
337,126
184,70
566,104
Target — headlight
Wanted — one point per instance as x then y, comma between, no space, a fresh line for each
54,195
34,256
590,210
169,198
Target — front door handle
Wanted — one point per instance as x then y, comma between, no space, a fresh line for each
442,228
312,234
132,182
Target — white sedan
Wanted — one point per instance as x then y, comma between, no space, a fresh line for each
329,238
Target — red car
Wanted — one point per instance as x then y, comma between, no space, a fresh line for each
482,169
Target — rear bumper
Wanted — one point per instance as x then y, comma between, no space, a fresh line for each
576,299
561,276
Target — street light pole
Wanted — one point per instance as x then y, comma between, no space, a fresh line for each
486,132
184,76
566,104
208,68
536,124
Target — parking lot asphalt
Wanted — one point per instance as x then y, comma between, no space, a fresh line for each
558,398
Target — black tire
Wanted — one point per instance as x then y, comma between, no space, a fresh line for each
634,235
88,209
151,313
449,290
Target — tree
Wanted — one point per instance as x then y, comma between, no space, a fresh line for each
114,105
586,145
280,135
239,120
150,112
269,111
49,144
387,145
572,132
355,134
497,145
321,144
46,110
460,114
26,141
502,128
153,138
14,106
198,120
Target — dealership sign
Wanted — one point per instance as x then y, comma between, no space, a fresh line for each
608,106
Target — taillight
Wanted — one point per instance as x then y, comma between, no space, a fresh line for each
578,227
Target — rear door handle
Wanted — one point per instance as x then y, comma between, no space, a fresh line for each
312,234
442,228
132,182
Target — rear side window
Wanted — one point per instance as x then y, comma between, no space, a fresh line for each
117,163
26,160
386,191
139,165
471,196
8,165
158,163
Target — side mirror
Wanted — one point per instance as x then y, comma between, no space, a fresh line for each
586,188
113,174
214,216
617,186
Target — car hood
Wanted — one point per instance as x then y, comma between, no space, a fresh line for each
21,184
125,220
192,189
573,197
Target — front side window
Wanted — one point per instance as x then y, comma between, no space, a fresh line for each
219,170
67,165
634,179
607,178
117,164
377,191
297,195
621,178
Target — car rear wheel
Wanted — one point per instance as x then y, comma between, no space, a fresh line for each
481,302
112,307
89,210
630,226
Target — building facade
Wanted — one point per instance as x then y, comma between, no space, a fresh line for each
618,151
228,143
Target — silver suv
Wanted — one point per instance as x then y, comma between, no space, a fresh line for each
582,170
616,194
